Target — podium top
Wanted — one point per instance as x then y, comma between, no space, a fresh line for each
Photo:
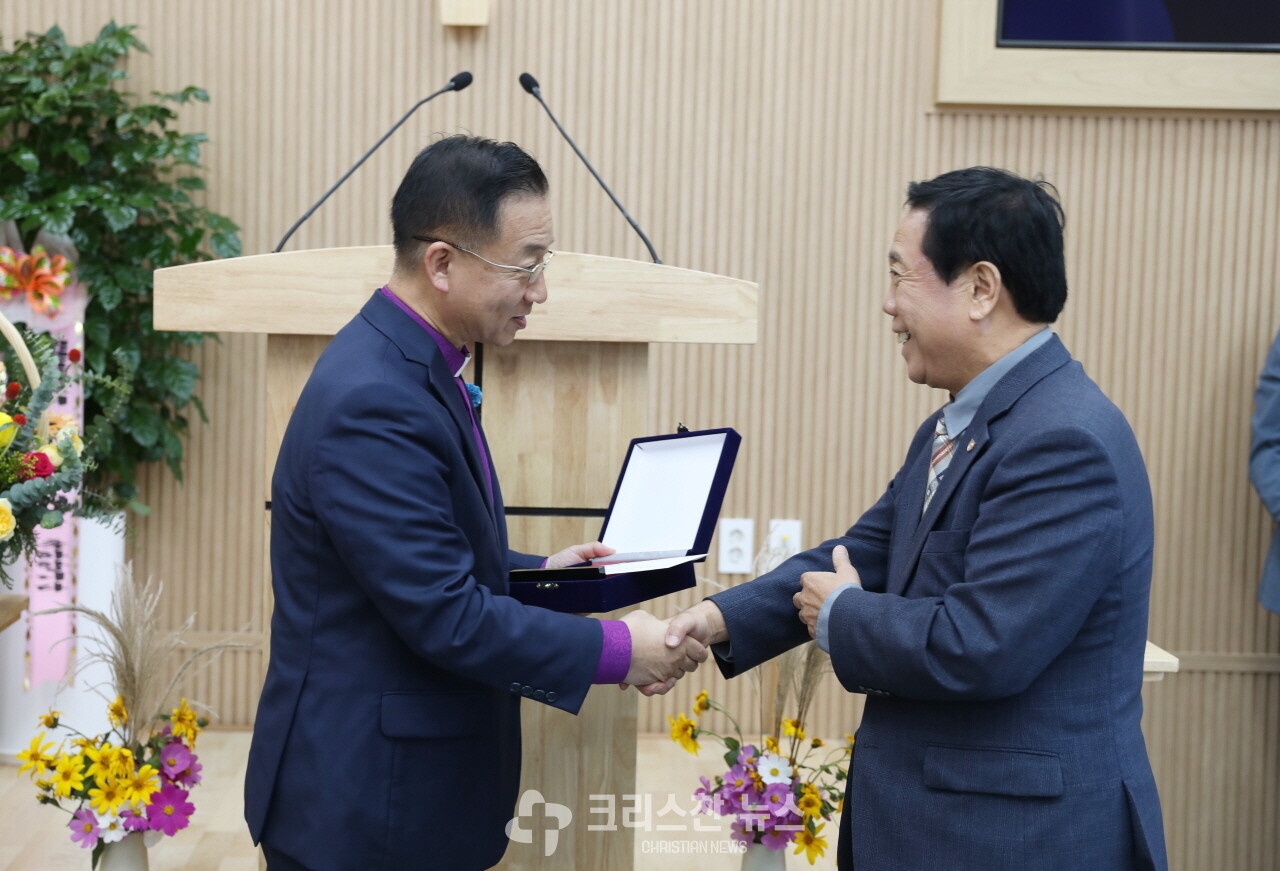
590,298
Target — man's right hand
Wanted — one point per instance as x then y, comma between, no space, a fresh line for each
656,665
702,624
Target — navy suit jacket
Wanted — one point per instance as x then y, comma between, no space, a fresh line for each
1000,640
389,724
1264,468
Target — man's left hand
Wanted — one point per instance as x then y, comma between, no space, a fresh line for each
579,553
816,586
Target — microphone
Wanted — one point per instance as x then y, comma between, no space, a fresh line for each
457,83
530,84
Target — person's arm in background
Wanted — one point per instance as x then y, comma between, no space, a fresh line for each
1264,451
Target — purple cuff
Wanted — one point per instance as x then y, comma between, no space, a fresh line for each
615,653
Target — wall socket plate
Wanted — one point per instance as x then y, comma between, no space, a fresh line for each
737,546
784,536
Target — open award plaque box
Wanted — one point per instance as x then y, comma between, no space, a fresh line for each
660,521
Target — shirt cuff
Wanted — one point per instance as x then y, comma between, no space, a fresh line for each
615,653
822,636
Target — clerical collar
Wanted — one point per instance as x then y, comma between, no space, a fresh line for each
455,358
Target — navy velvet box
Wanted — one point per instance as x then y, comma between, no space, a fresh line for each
660,520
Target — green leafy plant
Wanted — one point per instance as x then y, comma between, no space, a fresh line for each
82,158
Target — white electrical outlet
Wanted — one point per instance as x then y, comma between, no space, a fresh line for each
784,536
737,545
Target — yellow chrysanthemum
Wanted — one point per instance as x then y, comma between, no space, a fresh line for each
685,733
809,804
770,744
100,760
119,760
141,785
792,727
701,703
68,775
811,843
809,788
107,797
34,758
184,723
117,713
50,720
80,742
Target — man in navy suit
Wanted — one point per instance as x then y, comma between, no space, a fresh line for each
388,731
993,603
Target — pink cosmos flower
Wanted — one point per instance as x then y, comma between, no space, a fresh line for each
84,828
777,798
169,809
777,839
702,795
191,775
175,758
134,821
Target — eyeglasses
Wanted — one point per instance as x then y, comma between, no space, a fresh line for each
530,273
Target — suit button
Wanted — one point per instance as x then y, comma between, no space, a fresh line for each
527,692
551,696
539,695
515,688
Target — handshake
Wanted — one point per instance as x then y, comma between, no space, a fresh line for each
663,651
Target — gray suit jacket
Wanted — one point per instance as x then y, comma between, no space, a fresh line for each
999,637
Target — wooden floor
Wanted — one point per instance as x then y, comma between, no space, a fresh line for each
35,838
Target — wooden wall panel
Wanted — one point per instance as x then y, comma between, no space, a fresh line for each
771,141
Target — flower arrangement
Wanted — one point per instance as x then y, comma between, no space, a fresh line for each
111,784
41,455
137,776
779,789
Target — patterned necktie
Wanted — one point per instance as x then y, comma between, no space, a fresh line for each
943,448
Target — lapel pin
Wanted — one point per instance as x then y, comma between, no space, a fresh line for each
970,445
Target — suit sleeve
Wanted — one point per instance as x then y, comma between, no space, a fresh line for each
1047,542
1264,450
759,615
381,485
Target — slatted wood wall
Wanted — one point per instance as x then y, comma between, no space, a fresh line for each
770,141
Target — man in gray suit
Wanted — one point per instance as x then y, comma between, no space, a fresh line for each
993,603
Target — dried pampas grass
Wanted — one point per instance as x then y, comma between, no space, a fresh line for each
795,674
138,651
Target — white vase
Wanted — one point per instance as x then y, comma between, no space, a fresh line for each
760,858
128,854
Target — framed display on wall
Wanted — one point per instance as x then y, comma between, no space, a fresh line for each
1135,54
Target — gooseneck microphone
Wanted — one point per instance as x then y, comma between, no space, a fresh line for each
457,83
530,84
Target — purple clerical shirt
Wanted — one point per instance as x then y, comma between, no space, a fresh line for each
615,651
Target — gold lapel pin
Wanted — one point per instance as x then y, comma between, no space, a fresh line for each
970,445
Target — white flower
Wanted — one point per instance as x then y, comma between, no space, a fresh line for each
773,768
110,828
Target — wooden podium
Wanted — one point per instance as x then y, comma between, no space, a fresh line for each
560,406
